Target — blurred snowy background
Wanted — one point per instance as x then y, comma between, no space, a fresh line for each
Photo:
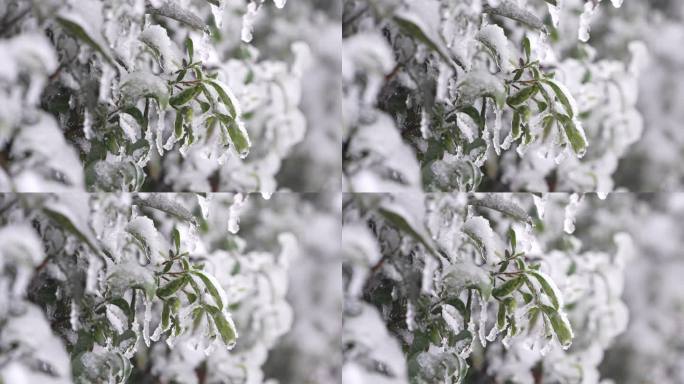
617,261
107,95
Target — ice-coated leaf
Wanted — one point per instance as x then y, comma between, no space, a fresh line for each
155,37
508,287
213,287
477,84
459,276
185,96
130,274
502,204
144,232
419,20
511,10
480,232
493,38
139,84
561,326
75,25
399,219
172,286
575,134
173,10
164,204
563,95
522,95
225,326
549,287
61,214
237,133
226,96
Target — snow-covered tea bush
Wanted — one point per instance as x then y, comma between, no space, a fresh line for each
144,95
454,288
483,95
138,288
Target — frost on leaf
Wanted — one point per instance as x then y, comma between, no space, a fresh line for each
480,233
493,38
148,238
158,40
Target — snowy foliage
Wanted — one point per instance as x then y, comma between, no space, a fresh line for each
482,95
475,288
146,95
122,288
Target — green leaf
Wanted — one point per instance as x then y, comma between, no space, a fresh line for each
400,221
511,10
501,317
508,287
527,48
226,96
561,326
563,95
185,96
166,317
549,288
172,287
175,236
213,287
238,135
574,133
123,304
70,223
522,96
501,204
164,204
190,47
515,126
225,326
178,125
411,24
136,113
474,114
74,26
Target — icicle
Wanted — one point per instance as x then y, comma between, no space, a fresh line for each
87,125
92,277
424,124
116,318
410,316
234,213
210,348
218,11
482,323
248,21
554,11
570,211
204,205
585,21
616,3
146,321
496,132
540,204
492,334
281,3
160,131
157,333
73,316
